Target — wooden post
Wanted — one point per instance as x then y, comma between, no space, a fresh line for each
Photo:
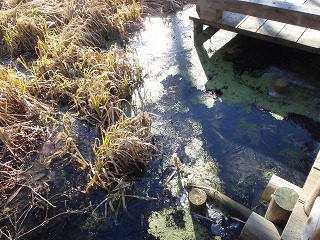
316,235
197,28
311,198
277,182
281,206
208,13
234,208
260,228
197,199
199,35
312,228
205,35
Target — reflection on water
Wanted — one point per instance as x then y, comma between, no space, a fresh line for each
234,147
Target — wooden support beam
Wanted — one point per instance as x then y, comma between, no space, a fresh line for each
209,13
197,28
313,194
276,182
234,208
297,220
230,26
313,223
286,12
282,203
200,36
205,35
258,227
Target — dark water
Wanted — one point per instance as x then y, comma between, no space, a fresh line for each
245,142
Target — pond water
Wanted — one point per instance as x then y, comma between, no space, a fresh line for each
215,108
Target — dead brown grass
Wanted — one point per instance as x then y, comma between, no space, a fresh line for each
77,63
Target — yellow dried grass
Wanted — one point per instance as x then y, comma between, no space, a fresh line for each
124,150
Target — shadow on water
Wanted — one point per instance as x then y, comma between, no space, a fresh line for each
217,129
268,146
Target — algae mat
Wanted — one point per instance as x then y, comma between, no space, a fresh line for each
245,72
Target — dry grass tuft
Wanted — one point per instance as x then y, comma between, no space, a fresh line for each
155,7
84,23
123,151
76,62
19,135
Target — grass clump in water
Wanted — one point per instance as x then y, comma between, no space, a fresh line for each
72,55
21,131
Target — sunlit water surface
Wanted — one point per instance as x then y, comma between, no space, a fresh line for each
232,147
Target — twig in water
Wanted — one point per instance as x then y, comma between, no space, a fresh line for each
39,195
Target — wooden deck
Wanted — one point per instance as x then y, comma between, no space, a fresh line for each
298,218
299,225
294,23
279,30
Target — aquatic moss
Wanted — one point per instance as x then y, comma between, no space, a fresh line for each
249,90
176,223
267,174
94,224
292,157
251,130
201,166
207,99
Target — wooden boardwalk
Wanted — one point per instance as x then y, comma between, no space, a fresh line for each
262,22
298,226
294,23
298,219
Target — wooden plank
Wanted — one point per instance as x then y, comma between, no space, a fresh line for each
233,19
312,179
316,163
311,4
284,41
251,24
297,220
271,28
291,33
209,13
285,12
277,182
310,38
313,222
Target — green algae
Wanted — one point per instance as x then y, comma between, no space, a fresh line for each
207,99
94,224
248,89
292,157
202,166
176,223
267,174
251,130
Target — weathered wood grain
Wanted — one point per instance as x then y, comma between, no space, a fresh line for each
286,12
276,182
